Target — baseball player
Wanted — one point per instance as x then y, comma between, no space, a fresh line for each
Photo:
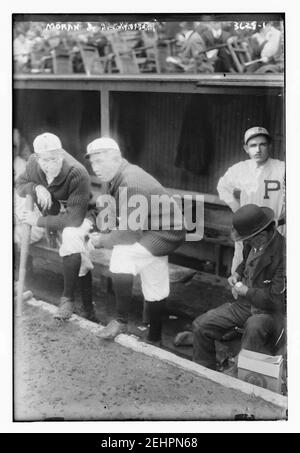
60,187
259,180
141,249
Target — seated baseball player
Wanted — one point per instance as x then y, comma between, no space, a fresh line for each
258,287
60,187
142,239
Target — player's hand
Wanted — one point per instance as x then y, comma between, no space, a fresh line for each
30,217
43,197
94,241
233,279
241,289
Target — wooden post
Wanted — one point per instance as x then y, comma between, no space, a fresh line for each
26,232
104,100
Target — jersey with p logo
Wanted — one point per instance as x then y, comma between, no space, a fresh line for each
262,185
271,185
265,186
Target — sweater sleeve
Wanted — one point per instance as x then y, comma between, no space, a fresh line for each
77,203
133,212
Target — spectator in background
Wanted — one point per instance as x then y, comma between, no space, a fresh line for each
21,52
214,35
99,41
266,45
192,56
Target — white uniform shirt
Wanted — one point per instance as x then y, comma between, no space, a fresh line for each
261,185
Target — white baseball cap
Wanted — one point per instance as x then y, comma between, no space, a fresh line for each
46,142
254,131
102,144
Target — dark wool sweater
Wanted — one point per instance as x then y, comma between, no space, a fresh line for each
71,188
158,241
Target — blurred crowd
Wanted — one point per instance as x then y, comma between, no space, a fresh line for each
191,47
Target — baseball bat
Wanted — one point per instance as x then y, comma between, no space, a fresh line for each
26,232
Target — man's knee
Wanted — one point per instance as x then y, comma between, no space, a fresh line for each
200,324
258,324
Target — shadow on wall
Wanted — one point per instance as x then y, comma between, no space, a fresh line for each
195,148
128,124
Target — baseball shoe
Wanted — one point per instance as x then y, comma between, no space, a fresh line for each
183,339
229,367
112,329
65,309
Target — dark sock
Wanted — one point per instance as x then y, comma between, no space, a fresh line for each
145,316
122,284
86,291
71,266
155,312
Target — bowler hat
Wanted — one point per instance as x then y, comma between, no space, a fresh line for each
250,220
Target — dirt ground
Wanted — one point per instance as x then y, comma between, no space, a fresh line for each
64,372
186,301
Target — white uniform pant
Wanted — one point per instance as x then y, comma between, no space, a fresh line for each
154,270
72,238
73,241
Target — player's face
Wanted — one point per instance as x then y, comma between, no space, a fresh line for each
258,149
105,165
51,163
259,240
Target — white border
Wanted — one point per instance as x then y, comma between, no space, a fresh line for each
293,98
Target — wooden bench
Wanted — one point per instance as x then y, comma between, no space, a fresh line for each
101,259
183,264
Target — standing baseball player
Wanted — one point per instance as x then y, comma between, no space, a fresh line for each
60,187
259,180
136,249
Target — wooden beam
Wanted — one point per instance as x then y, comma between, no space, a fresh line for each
104,106
214,84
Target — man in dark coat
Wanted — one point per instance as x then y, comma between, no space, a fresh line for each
258,287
